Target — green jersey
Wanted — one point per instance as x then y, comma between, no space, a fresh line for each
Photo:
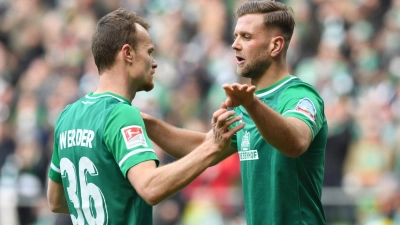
278,189
97,140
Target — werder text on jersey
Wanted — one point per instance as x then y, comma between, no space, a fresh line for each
76,137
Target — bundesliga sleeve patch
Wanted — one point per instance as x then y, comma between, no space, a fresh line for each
306,107
133,136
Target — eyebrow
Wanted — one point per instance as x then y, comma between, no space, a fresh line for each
241,33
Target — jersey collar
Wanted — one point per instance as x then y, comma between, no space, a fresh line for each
92,96
274,87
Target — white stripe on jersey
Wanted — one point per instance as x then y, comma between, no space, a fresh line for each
276,88
295,111
89,97
85,102
134,152
55,168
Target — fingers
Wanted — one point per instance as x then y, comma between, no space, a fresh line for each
228,102
222,119
216,114
223,106
236,88
219,112
235,129
239,87
251,89
227,87
232,120
242,88
223,125
221,132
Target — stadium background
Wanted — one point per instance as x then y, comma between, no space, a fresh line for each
348,49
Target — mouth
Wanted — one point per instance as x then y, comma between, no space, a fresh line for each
239,60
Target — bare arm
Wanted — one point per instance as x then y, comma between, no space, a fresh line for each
230,150
156,184
56,197
289,135
165,136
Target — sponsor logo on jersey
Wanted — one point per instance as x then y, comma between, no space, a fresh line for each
133,136
245,153
306,107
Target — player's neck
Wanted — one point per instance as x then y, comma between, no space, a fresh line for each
115,83
273,74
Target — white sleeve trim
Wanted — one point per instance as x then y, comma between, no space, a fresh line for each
134,152
55,168
309,117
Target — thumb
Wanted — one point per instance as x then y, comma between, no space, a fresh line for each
228,102
223,105
227,88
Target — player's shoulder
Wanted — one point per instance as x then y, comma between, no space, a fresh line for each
126,109
62,116
296,81
297,85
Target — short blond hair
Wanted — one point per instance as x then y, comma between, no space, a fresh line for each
276,15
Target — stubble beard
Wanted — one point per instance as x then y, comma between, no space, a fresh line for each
253,70
148,86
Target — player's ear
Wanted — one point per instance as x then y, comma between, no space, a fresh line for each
277,44
128,53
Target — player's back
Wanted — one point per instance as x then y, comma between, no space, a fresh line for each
97,190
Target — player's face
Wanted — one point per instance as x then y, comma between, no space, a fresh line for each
144,63
251,46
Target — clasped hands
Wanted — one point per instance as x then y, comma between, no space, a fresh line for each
237,94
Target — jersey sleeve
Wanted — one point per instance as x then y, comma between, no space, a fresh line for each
303,102
54,170
126,138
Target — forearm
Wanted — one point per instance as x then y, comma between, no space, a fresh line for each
225,154
63,209
56,198
175,141
164,181
277,130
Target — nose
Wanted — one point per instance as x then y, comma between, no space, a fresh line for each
154,64
236,46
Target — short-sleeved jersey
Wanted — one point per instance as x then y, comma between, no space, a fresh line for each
278,189
97,140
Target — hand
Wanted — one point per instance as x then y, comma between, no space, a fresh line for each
239,94
221,121
214,120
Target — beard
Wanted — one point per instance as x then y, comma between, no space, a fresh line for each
147,87
254,69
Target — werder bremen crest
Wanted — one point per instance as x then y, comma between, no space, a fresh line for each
245,153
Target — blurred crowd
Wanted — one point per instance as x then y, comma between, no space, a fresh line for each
348,49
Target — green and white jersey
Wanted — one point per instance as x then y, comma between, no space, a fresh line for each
278,189
97,140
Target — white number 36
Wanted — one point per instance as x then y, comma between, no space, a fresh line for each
94,208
